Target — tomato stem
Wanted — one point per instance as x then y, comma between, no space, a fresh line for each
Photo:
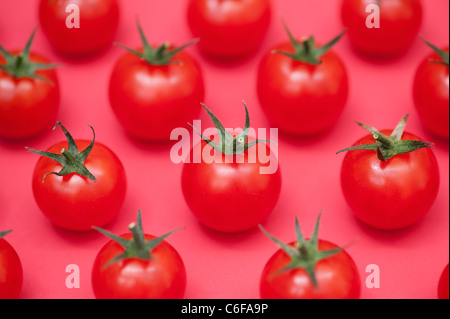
4,233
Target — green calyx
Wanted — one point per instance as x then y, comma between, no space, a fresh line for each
159,56
4,233
305,254
71,159
228,144
444,55
389,146
307,51
137,247
20,66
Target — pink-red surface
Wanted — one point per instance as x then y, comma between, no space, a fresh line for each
226,266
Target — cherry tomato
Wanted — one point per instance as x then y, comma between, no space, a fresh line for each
11,273
302,88
400,21
395,193
443,290
76,194
98,23
310,269
153,93
29,94
138,266
431,93
229,192
229,29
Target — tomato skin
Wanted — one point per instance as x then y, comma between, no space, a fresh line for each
162,277
302,99
393,194
28,106
77,203
11,273
431,95
337,277
229,29
443,290
400,21
150,101
99,20
230,197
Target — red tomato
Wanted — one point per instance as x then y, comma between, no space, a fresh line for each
392,194
431,94
400,21
443,291
99,20
229,29
11,273
76,202
151,98
160,275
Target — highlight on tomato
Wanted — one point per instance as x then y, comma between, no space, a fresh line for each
431,91
155,89
79,28
390,178
303,87
227,189
77,189
11,272
309,269
29,93
138,266
229,29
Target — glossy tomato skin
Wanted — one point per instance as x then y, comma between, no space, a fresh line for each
337,278
150,100
75,202
11,273
230,197
229,29
443,290
431,95
162,277
393,194
99,20
302,99
28,106
400,22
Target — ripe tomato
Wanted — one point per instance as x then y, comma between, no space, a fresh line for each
310,269
78,190
228,192
431,92
11,273
229,29
400,21
302,88
138,266
395,192
153,91
29,93
99,20
443,291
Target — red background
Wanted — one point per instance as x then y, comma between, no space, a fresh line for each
226,266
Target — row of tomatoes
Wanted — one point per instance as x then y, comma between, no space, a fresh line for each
87,181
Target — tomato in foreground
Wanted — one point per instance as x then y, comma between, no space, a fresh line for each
390,179
77,190
229,29
11,273
228,189
303,88
443,290
309,269
98,23
431,92
400,22
155,90
29,93
138,266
